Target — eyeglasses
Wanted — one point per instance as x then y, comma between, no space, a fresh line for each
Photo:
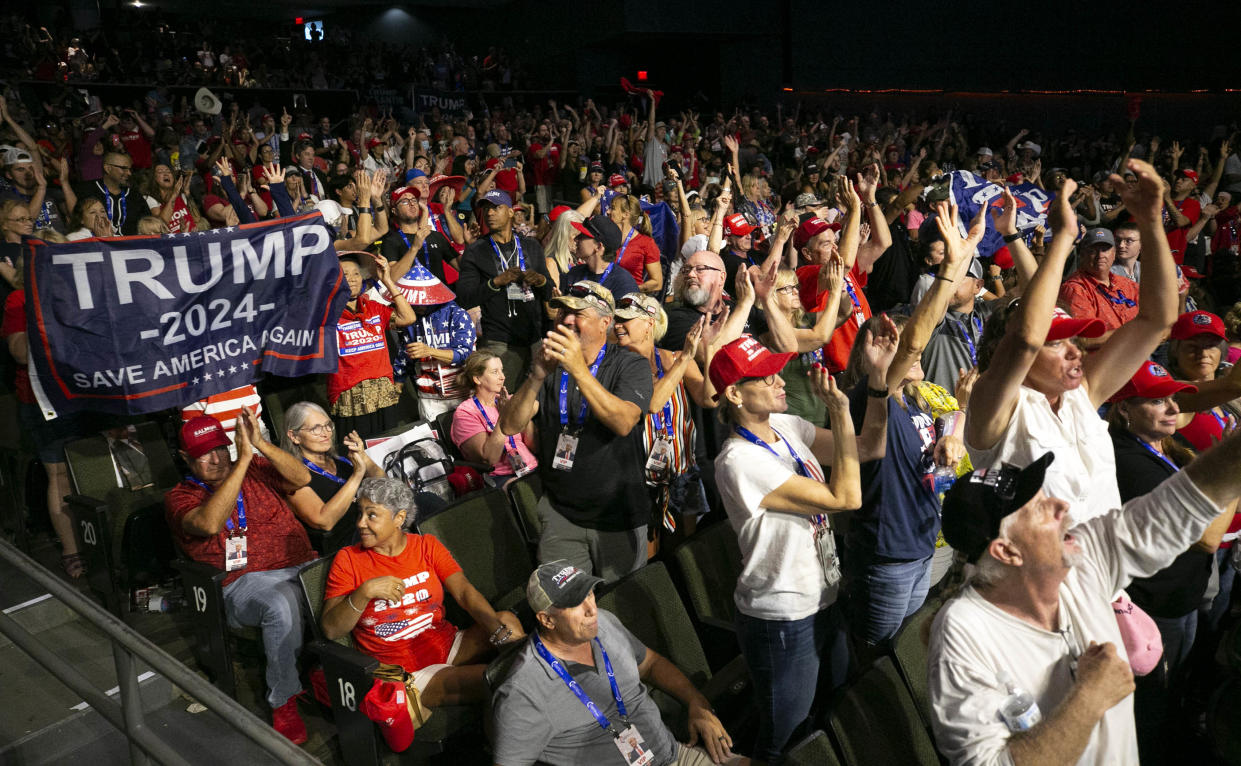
702,269
323,429
407,201
787,289
767,380
119,167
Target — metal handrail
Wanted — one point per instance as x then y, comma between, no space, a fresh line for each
127,716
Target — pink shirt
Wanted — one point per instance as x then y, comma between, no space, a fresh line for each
468,422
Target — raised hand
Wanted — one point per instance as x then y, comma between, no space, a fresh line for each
825,388
879,349
223,168
273,174
1146,198
965,386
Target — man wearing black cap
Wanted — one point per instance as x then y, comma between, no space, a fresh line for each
504,276
538,717
596,244
1036,614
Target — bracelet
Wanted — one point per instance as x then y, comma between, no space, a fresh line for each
501,634
349,600
1012,237
870,204
366,210
946,279
877,393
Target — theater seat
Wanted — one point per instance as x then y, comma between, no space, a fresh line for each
875,721
648,605
482,535
814,750
909,650
524,495
710,562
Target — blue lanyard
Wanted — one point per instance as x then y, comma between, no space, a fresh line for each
324,473
965,333
577,689
621,252
1119,299
490,427
746,434
241,505
604,276
564,392
426,253
107,195
1162,457
521,258
666,424
852,295
818,518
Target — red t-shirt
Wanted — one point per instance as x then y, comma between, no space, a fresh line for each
544,168
15,322
275,539
836,352
505,180
181,214
361,339
413,633
1177,240
633,257
138,148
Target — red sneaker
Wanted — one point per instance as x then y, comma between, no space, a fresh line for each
286,720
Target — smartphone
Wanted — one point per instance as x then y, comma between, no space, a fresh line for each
511,162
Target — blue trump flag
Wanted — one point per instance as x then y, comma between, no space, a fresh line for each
140,324
971,192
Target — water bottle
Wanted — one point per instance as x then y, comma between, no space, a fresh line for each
1019,710
940,479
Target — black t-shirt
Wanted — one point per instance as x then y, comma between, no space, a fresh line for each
513,322
436,249
892,277
681,318
606,488
345,531
128,207
1176,590
733,261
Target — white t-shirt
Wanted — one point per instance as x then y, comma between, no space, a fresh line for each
972,640
1084,471
781,578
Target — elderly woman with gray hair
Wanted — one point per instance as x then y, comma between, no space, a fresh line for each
326,505
389,588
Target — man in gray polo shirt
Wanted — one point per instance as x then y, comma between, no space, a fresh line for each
953,345
539,717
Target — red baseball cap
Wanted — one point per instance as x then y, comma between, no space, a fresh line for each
810,228
1065,325
556,212
1187,173
373,143
401,191
744,358
201,434
1194,323
616,179
737,225
1151,381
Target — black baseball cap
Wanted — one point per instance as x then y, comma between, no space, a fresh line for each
558,584
601,228
976,504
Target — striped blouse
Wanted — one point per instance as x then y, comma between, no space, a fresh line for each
682,431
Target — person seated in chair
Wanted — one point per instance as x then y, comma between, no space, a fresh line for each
388,592
580,653
327,504
232,514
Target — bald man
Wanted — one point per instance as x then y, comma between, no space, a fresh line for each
698,289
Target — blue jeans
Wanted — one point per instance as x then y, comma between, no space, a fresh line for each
272,602
786,659
887,593
1178,638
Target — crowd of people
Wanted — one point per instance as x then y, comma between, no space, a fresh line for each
784,320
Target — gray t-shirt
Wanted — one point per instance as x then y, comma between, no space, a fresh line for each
537,718
948,349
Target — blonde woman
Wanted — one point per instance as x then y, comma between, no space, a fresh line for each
638,253
559,247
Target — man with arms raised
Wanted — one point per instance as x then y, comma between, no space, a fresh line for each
1037,615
